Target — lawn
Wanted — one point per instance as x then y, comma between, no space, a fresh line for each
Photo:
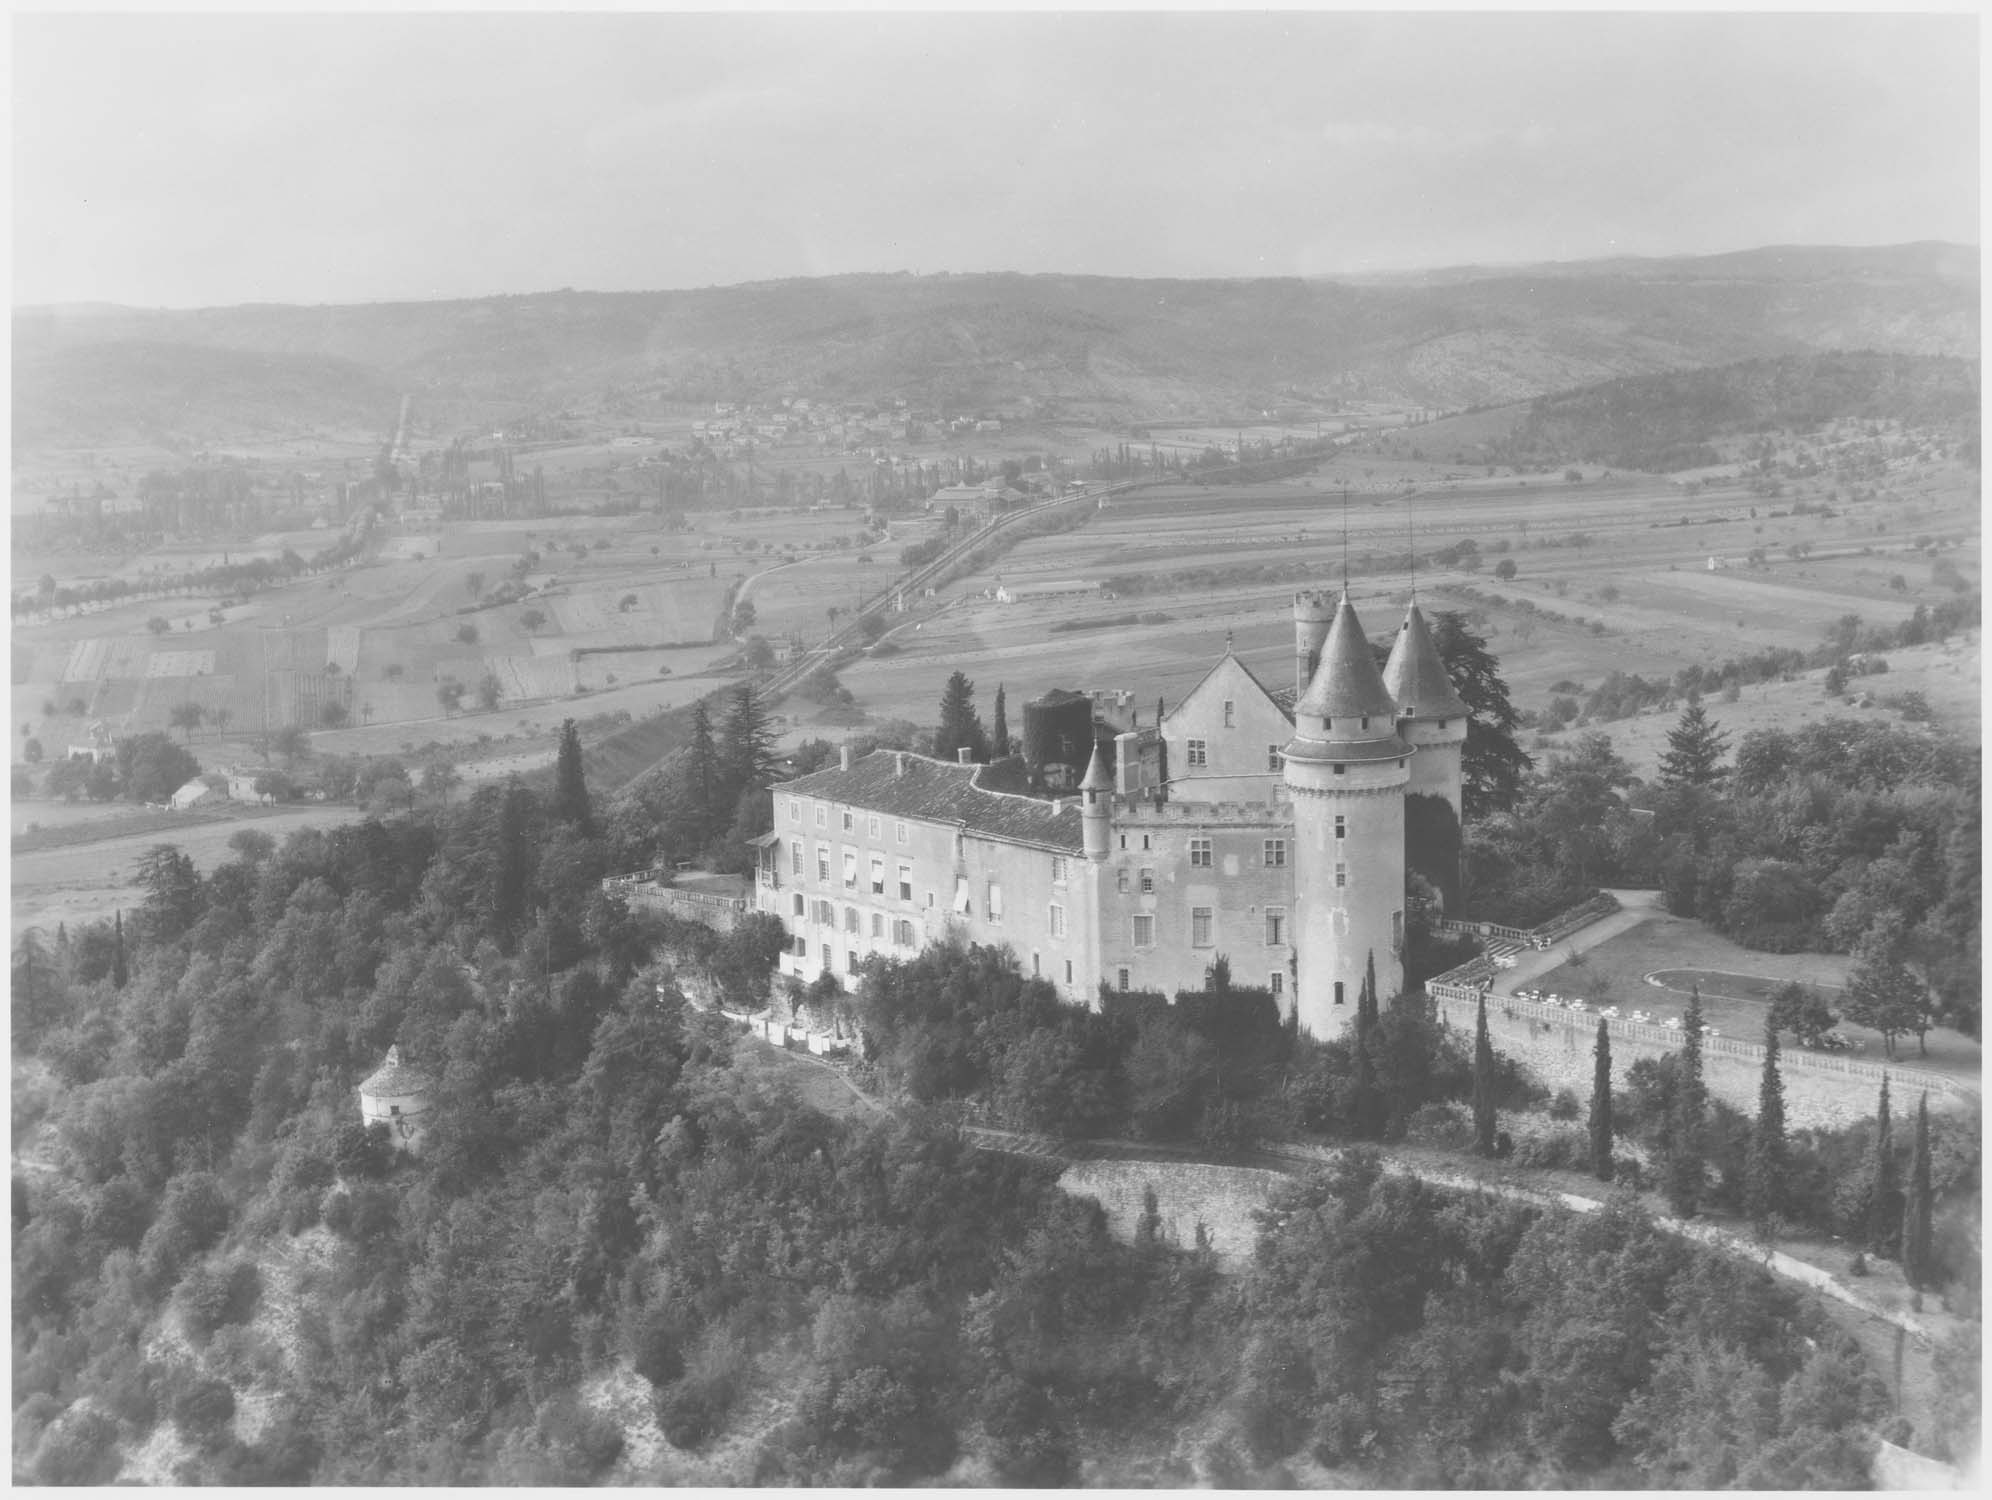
1616,972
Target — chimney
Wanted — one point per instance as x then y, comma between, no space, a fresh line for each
961,755
844,758
899,762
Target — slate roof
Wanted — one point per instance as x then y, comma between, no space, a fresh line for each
396,1078
906,785
1415,675
1347,683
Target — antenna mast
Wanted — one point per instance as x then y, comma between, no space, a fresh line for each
1411,539
1345,541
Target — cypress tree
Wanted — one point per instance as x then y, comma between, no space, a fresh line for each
1483,1083
1365,1101
1764,1173
1685,1145
1884,1217
120,973
570,787
1000,733
1601,1106
508,865
1917,1209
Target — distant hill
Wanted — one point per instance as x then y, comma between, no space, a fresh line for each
179,394
1098,347
1666,422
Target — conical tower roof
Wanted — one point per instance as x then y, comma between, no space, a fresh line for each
1097,779
1347,684
1416,677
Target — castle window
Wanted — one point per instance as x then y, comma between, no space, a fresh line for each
1444,722
801,946
1055,916
1230,714
1120,881
1275,854
1123,839
1276,982
1144,841
1275,927
822,816
961,900
1037,969
1199,752
899,833
1400,763
1200,854
1272,757
795,810
1122,976
1147,882
1058,869
826,957
1341,826
878,924
1365,721
823,863
850,820
795,856
905,882
1144,930
995,902
878,876
1341,876
1397,933
1341,769
871,828
850,870
1338,992
800,905
902,932
1200,927
850,919
1068,971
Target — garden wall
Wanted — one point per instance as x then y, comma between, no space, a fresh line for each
1821,1091
1222,1198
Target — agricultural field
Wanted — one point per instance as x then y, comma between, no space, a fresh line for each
1610,574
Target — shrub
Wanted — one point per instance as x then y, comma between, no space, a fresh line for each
81,1448
1447,1126
1553,1150
1564,1106
215,1296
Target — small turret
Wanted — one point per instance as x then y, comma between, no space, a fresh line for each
1096,807
1431,716
1313,613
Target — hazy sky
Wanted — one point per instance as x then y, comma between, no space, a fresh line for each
192,161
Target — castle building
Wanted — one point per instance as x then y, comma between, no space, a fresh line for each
1232,825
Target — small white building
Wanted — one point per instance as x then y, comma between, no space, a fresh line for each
398,1096
193,794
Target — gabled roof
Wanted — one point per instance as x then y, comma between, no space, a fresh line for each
917,786
1415,675
1347,683
1228,659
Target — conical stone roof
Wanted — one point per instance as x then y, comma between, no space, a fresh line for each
1416,677
1347,684
396,1078
1097,779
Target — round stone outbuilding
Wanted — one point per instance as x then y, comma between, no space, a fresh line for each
398,1096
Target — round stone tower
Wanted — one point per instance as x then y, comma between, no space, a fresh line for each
1346,770
398,1096
1431,717
1313,613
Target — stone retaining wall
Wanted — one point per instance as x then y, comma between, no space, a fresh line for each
1822,1091
1221,1197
